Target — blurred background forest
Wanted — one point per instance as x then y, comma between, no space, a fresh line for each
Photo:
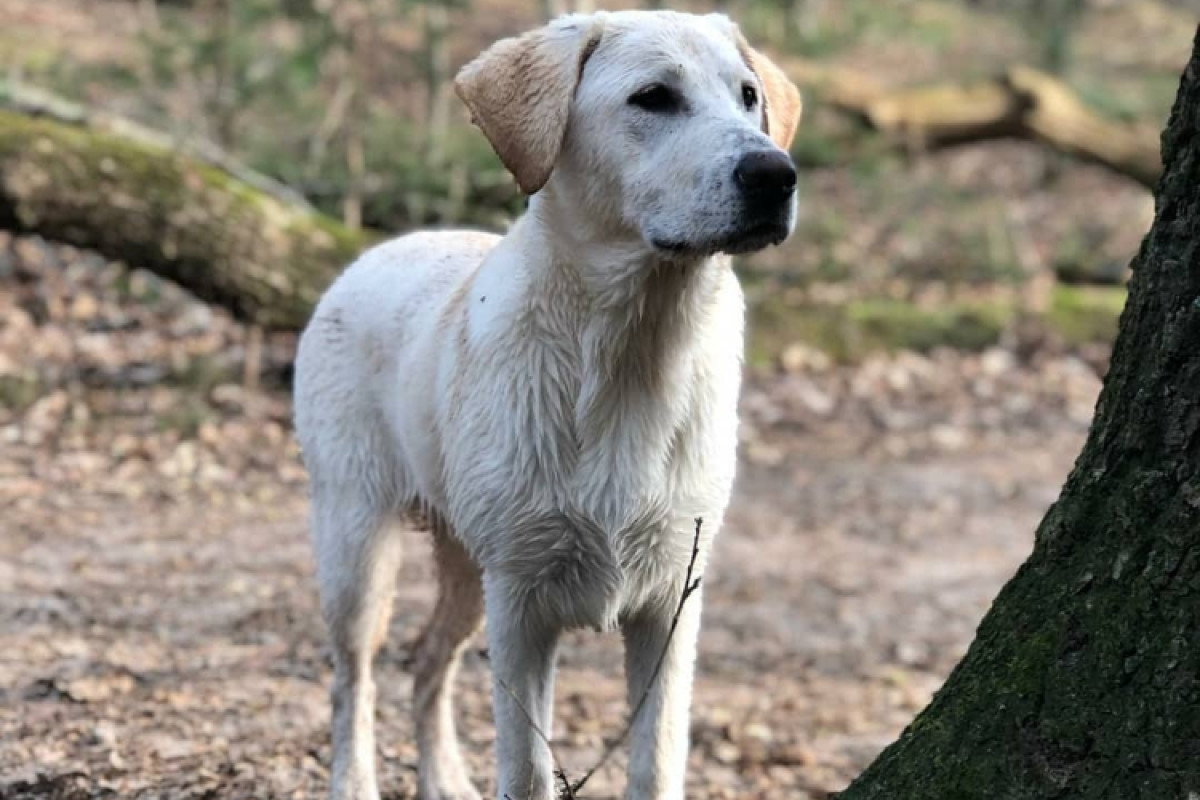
924,358
925,222
903,243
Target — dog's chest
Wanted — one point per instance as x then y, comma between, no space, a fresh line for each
589,516
610,434
582,448
605,532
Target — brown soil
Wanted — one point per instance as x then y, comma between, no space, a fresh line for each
158,626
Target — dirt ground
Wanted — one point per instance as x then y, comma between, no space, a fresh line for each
158,628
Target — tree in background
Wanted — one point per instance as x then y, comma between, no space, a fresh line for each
1084,678
212,62
348,100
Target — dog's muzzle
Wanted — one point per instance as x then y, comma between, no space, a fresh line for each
766,182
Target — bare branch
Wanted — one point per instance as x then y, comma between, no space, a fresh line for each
566,792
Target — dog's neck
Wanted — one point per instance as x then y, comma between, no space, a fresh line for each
627,323
634,313
629,289
610,266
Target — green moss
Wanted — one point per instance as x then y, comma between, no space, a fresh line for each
17,392
91,158
847,24
814,148
906,327
34,56
188,221
1145,94
1082,314
856,329
850,331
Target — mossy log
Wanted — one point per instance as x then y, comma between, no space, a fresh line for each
151,206
1084,678
1022,103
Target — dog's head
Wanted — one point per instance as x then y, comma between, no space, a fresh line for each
662,125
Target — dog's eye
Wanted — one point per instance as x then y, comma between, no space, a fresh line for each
656,98
749,97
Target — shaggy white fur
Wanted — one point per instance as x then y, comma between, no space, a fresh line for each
560,403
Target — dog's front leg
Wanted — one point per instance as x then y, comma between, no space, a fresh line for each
659,741
522,653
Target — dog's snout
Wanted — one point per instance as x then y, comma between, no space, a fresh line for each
767,175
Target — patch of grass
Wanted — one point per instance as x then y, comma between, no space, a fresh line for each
32,56
835,27
850,331
18,392
185,417
896,325
814,148
1101,97
202,373
853,330
1082,314
468,186
930,25
1129,98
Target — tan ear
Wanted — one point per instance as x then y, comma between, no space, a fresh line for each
519,93
782,104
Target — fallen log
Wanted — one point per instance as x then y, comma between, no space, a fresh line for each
149,205
1022,103
37,102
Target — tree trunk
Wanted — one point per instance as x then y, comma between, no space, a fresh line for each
1084,678
151,207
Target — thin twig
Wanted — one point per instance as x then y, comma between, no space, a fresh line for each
689,588
560,772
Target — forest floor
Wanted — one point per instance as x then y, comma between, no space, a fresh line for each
159,634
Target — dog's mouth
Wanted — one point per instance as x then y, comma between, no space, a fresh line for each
750,239
757,237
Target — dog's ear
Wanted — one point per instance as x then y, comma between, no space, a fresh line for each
519,93
782,104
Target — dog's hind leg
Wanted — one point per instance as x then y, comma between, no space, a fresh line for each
457,615
357,558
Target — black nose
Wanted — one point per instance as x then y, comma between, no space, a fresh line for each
767,175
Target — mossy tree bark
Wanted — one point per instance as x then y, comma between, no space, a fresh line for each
151,207
1084,678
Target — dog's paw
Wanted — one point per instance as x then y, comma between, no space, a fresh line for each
460,793
354,791
447,787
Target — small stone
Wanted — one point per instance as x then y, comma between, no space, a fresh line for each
726,753
996,361
800,357
758,732
948,437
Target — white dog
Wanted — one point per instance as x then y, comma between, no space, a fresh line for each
558,404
